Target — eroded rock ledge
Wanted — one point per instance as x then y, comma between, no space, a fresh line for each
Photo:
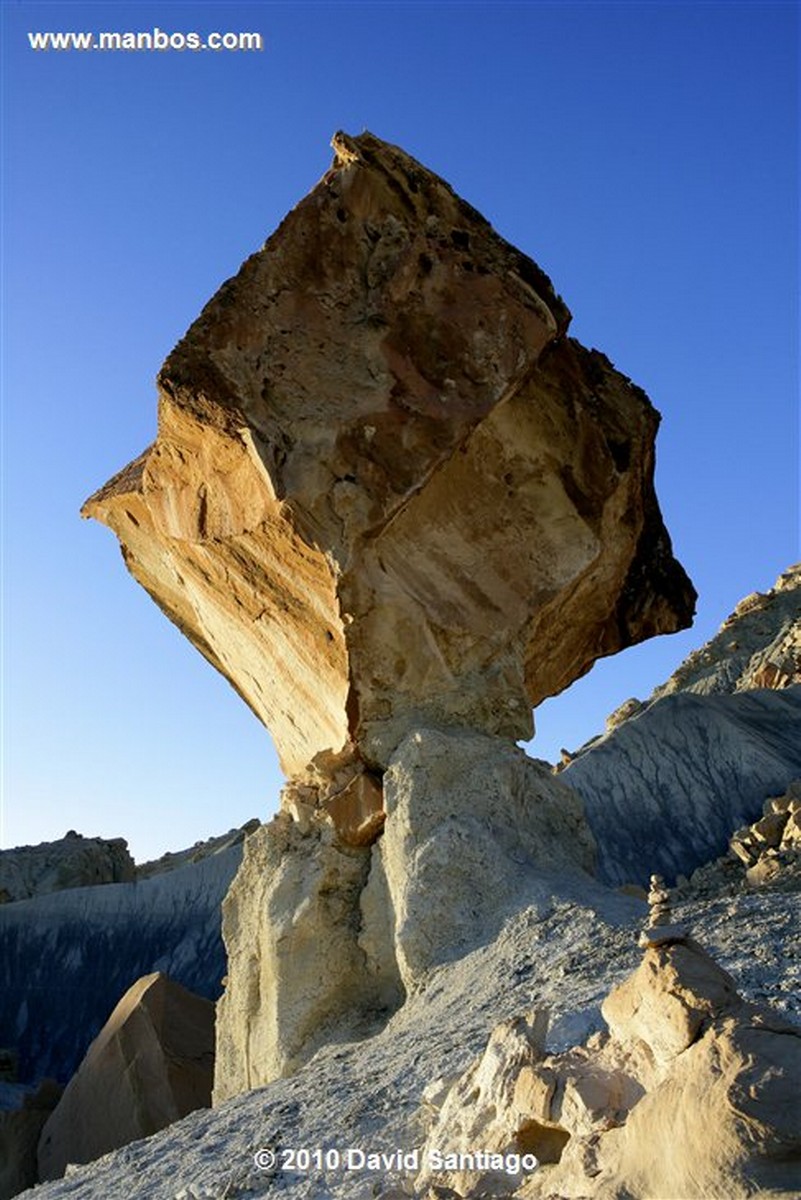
387,490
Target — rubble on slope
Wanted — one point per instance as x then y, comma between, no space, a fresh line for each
692,1092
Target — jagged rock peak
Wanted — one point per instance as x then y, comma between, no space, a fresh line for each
757,646
386,489
72,861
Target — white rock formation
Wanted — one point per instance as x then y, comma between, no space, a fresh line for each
473,829
471,821
535,933
290,923
691,1094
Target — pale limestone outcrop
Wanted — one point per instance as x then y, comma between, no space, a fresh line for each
386,489
325,938
471,824
296,975
73,861
692,1093
151,1064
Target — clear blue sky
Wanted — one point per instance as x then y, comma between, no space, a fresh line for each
645,154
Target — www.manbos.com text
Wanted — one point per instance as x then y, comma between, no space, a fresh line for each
153,39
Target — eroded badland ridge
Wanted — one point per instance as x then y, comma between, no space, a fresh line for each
397,506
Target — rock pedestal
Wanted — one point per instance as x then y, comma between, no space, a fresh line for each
389,494
325,939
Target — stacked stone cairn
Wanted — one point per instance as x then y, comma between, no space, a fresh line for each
660,929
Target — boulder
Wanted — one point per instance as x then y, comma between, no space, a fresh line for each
674,992
725,1122
474,1115
72,862
387,490
151,1064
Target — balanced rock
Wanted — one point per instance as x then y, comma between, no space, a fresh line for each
151,1064
387,491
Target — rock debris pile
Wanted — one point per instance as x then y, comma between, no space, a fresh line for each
766,854
692,1092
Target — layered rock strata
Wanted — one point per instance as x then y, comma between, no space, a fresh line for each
66,959
757,646
387,490
663,791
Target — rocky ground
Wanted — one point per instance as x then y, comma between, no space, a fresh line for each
561,950
484,863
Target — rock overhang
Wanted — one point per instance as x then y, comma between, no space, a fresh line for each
387,489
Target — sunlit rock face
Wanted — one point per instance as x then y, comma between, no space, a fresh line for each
387,490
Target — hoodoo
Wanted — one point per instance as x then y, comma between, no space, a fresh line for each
387,489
